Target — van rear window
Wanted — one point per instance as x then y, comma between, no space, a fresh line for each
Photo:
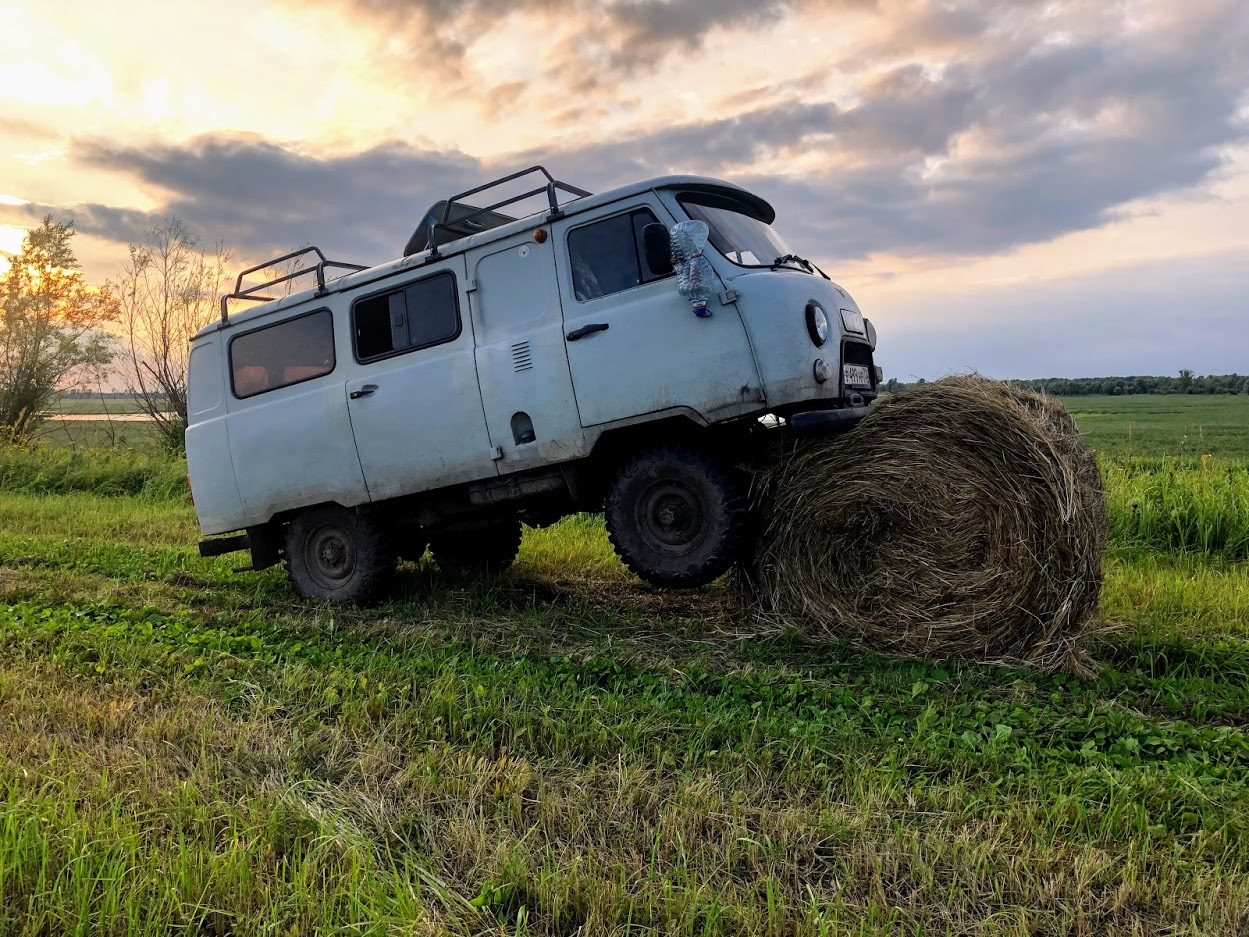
282,354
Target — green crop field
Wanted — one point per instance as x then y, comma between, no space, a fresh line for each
99,405
1165,425
98,434
561,750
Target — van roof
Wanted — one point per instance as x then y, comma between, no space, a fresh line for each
758,206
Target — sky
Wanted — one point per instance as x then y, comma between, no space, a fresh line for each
1025,189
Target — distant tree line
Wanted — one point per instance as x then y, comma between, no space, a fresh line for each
1186,383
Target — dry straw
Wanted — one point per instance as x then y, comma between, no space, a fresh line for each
962,519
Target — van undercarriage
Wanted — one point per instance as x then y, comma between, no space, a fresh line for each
540,497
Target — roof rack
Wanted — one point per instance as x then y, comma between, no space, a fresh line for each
251,293
552,186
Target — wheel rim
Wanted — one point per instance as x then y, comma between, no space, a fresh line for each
671,517
330,555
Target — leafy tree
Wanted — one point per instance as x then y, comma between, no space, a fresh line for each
167,292
1186,381
48,322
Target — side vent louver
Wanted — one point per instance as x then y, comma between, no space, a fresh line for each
522,360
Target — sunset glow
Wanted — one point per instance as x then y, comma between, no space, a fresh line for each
951,165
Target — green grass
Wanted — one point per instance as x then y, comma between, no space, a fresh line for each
43,469
561,750
186,747
1174,425
95,435
113,405
1177,426
1165,505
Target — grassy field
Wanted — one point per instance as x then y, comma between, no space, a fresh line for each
562,750
101,405
98,434
1165,425
1183,427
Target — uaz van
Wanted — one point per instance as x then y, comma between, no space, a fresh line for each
510,371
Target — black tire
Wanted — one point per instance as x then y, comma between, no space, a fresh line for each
336,554
676,517
489,549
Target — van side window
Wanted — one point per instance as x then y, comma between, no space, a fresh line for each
607,257
282,354
418,315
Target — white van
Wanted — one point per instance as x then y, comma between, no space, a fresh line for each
508,371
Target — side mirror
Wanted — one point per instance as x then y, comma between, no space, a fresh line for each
658,245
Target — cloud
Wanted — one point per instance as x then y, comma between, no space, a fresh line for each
27,129
649,29
1022,133
1025,140
122,225
636,32
703,147
263,198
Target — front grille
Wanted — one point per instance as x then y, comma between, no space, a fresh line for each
855,353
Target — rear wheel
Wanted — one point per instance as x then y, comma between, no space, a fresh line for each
676,517
339,555
489,549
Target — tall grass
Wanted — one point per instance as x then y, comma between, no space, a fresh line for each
1159,504
41,469
1169,505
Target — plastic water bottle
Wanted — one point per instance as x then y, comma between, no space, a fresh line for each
695,278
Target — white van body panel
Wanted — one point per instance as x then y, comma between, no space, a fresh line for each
773,305
211,471
420,424
293,446
655,354
521,361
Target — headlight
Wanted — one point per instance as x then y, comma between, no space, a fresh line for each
817,323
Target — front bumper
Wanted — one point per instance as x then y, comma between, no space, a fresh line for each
827,421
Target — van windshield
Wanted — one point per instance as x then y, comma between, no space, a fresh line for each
743,239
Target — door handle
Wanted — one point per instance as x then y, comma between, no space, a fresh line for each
586,330
368,390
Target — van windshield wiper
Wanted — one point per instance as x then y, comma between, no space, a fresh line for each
802,261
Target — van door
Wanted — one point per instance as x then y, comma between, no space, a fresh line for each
634,344
209,463
413,395
289,436
526,390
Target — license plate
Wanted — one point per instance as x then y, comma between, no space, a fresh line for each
855,375
853,321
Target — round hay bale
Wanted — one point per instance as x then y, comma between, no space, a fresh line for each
962,519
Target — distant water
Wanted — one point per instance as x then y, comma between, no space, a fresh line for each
102,417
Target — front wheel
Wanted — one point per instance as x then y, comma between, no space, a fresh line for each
676,517
339,555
